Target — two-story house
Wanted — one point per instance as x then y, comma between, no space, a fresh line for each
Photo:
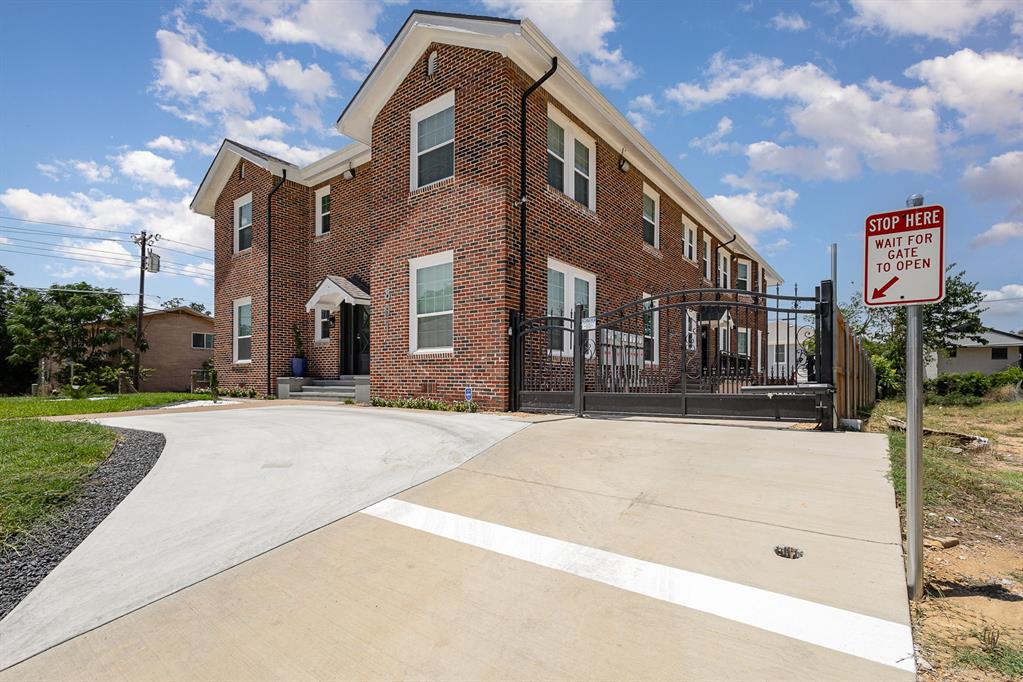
398,256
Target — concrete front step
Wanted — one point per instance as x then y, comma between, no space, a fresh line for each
322,395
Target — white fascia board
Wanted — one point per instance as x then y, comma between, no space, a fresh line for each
332,165
220,170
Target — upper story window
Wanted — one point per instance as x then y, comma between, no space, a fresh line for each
724,270
689,242
202,340
242,324
431,303
323,210
742,280
706,258
651,324
243,223
742,341
571,159
433,141
568,286
651,217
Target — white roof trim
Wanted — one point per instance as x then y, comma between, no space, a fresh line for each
525,44
333,291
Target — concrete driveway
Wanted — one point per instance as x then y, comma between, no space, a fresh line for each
575,549
230,485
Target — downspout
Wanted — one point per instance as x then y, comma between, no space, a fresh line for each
269,263
717,261
522,184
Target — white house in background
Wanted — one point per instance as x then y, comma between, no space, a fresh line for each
783,343
999,351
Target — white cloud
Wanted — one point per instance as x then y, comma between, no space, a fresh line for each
309,84
999,233
640,120
201,273
890,128
168,144
145,166
348,28
645,103
4,240
777,246
111,260
579,28
246,129
789,22
810,163
641,108
986,89
949,20
90,171
714,142
1000,179
754,213
829,7
198,77
1005,305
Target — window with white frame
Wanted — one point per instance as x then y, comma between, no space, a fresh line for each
322,320
431,303
567,286
243,223
242,323
725,327
742,280
724,270
760,350
651,325
323,210
433,141
706,259
742,341
201,340
779,353
571,159
689,242
651,216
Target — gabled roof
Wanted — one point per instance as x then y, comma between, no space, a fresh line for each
523,43
993,337
179,309
334,290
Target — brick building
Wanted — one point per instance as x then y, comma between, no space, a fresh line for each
396,257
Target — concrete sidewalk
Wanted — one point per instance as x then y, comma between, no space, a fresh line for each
231,484
575,549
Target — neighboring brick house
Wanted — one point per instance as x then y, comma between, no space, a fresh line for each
397,255
180,340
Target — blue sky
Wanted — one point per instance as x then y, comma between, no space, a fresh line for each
795,119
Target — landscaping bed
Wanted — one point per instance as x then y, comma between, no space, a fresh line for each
58,481
49,407
969,626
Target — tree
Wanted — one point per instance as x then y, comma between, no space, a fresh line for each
75,323
955,318
178,302
15,376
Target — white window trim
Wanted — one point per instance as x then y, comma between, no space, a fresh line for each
656,331
724,269
204,335
436,106
784,354
760,350
320,193
708,270
573,133
689,251
739,331
749,273
414,265
572,273
239,302
650,192
317,323
238,203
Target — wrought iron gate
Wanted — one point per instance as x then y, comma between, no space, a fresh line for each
698,352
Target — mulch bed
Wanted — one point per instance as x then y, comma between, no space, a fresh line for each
26,558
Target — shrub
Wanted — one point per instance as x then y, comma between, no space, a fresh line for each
1006,393
952,399
1008,376
968,383
425,404
79,392
889,383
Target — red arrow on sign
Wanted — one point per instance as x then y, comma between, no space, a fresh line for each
880,293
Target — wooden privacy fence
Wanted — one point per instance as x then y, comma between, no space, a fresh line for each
854,378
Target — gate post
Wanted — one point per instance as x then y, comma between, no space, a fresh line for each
579,361
826,372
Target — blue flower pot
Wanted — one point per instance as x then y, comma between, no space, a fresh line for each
298,367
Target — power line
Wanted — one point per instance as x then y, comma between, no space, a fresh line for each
97,292
7,228
110,261
64,247
96,229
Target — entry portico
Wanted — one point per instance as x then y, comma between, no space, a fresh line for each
343,303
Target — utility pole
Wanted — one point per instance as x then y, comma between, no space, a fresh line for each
143,240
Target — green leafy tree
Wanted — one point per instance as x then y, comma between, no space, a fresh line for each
15,375
70,323
178,302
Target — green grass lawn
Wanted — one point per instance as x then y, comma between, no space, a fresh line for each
42,463
46,407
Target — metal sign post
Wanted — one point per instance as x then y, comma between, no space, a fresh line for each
904,264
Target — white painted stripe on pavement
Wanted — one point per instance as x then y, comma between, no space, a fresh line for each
852,633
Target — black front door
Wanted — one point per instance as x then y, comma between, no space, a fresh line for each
361,339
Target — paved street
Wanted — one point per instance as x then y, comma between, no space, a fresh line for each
572,549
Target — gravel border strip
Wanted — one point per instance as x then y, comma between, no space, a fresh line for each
29,557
